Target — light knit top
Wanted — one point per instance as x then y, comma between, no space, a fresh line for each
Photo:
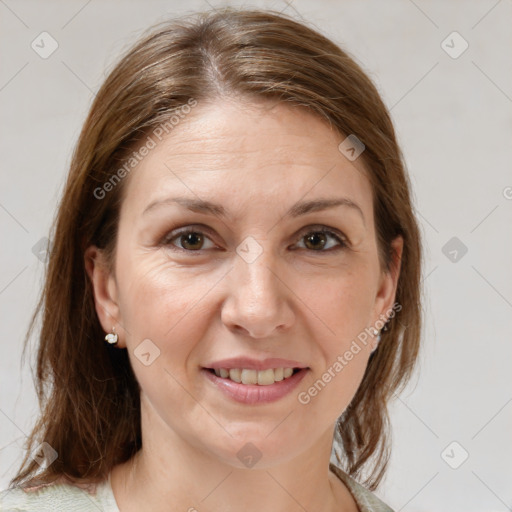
100,498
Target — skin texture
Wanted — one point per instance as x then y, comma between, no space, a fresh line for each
296,301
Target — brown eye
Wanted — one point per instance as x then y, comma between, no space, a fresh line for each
318,240
188,240
315,241
192,240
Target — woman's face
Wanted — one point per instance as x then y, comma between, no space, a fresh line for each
255,278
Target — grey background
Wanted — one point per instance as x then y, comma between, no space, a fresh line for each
453,118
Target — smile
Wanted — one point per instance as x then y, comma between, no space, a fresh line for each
249,376
249,386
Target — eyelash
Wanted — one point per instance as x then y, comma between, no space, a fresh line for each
339,237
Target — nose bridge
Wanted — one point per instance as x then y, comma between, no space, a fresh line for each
256,278
257,299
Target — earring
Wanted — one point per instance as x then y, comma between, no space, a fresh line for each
112,337
376,343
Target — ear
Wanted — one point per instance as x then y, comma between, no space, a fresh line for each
386,293
105,292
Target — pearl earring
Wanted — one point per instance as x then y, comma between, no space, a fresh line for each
112,337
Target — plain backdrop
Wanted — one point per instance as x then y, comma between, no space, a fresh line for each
450,97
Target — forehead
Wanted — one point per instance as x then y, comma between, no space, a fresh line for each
234,152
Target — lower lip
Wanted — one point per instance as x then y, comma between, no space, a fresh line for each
254,393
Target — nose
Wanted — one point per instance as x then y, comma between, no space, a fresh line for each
258,300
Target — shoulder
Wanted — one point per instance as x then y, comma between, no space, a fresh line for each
366,500
58,496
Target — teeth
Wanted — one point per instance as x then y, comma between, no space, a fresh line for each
262,378
278,374
235,374
249,376
266,377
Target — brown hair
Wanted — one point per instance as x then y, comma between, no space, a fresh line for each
88,394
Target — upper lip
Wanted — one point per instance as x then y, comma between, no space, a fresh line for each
254,364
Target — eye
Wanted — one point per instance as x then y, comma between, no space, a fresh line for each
190,239
317,239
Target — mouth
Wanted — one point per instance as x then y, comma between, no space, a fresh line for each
249,376
252,387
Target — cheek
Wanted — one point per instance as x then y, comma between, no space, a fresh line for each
344,306
163,303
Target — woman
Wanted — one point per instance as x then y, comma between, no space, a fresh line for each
234,282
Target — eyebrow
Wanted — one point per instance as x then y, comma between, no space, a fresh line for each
298,209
